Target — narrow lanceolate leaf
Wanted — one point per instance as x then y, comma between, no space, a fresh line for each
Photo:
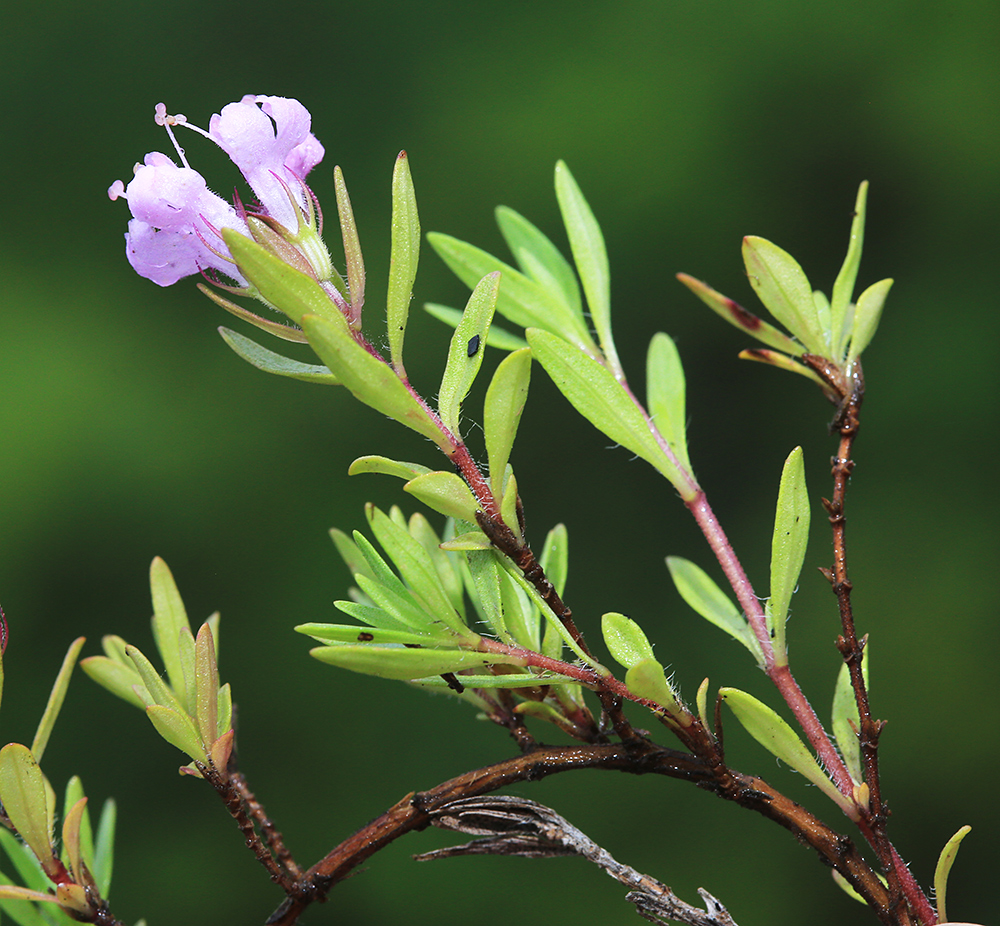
521,300
555,557
843,287
116,678
736,315
705,597
788,548
56,698
943,869
169,616
595,393
104,847
497,337
782,362
484,574
446,493
350,553
778,738
846,722
403,663
376,636
465,355
287,289
352,246
158,690
665,395
451,580
23,793
179,730
519,680
867,314
403,257
539,258
71,832
271,362
369,378
377,464
521,617
591,257
625,639
206,685
278,329
784,289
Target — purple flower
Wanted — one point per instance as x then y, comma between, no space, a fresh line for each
176,221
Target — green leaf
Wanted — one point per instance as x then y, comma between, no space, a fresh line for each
590,255
784,289
403,256
555,561
271,362
595,393
225,712
169,617
665,395
484,573
387,467
845,714
56,698
24,861
788,548
351,554
74,792
445,493
736,315
843,288
104,847
280,285
465,354
369,378
540,259
504,680
867,315
403,663
646,679
116,678
705,597
159,692
625,639
416,569
278,329
496,337
24,797
943,869
177,729
352,633
206,702
72,823
778,738
451,579
521,300
521,617
352,246
505,401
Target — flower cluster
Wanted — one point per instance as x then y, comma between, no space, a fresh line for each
177,221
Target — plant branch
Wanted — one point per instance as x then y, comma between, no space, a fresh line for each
516,826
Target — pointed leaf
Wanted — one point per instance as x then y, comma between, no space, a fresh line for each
377,464
539,258
74,792
502,680
846,721
665,395
451,579
159,692
179,730
943,869
521,300
350,553
465,354
24,797
56,698
286,288
376,636
104,847
278,329
352,246
843,288
505,400
736,315
496,337
403,663
116,678
788,548
403,257
778,738
71,839
169,617
555,557
369,378
784,289
271,362
782,362
595,393
705,597
206,703
446,493
867,315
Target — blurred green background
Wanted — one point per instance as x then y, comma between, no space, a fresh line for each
128,429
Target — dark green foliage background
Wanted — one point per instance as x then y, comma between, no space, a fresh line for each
127,429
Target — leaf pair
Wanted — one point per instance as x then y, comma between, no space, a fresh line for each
190,710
